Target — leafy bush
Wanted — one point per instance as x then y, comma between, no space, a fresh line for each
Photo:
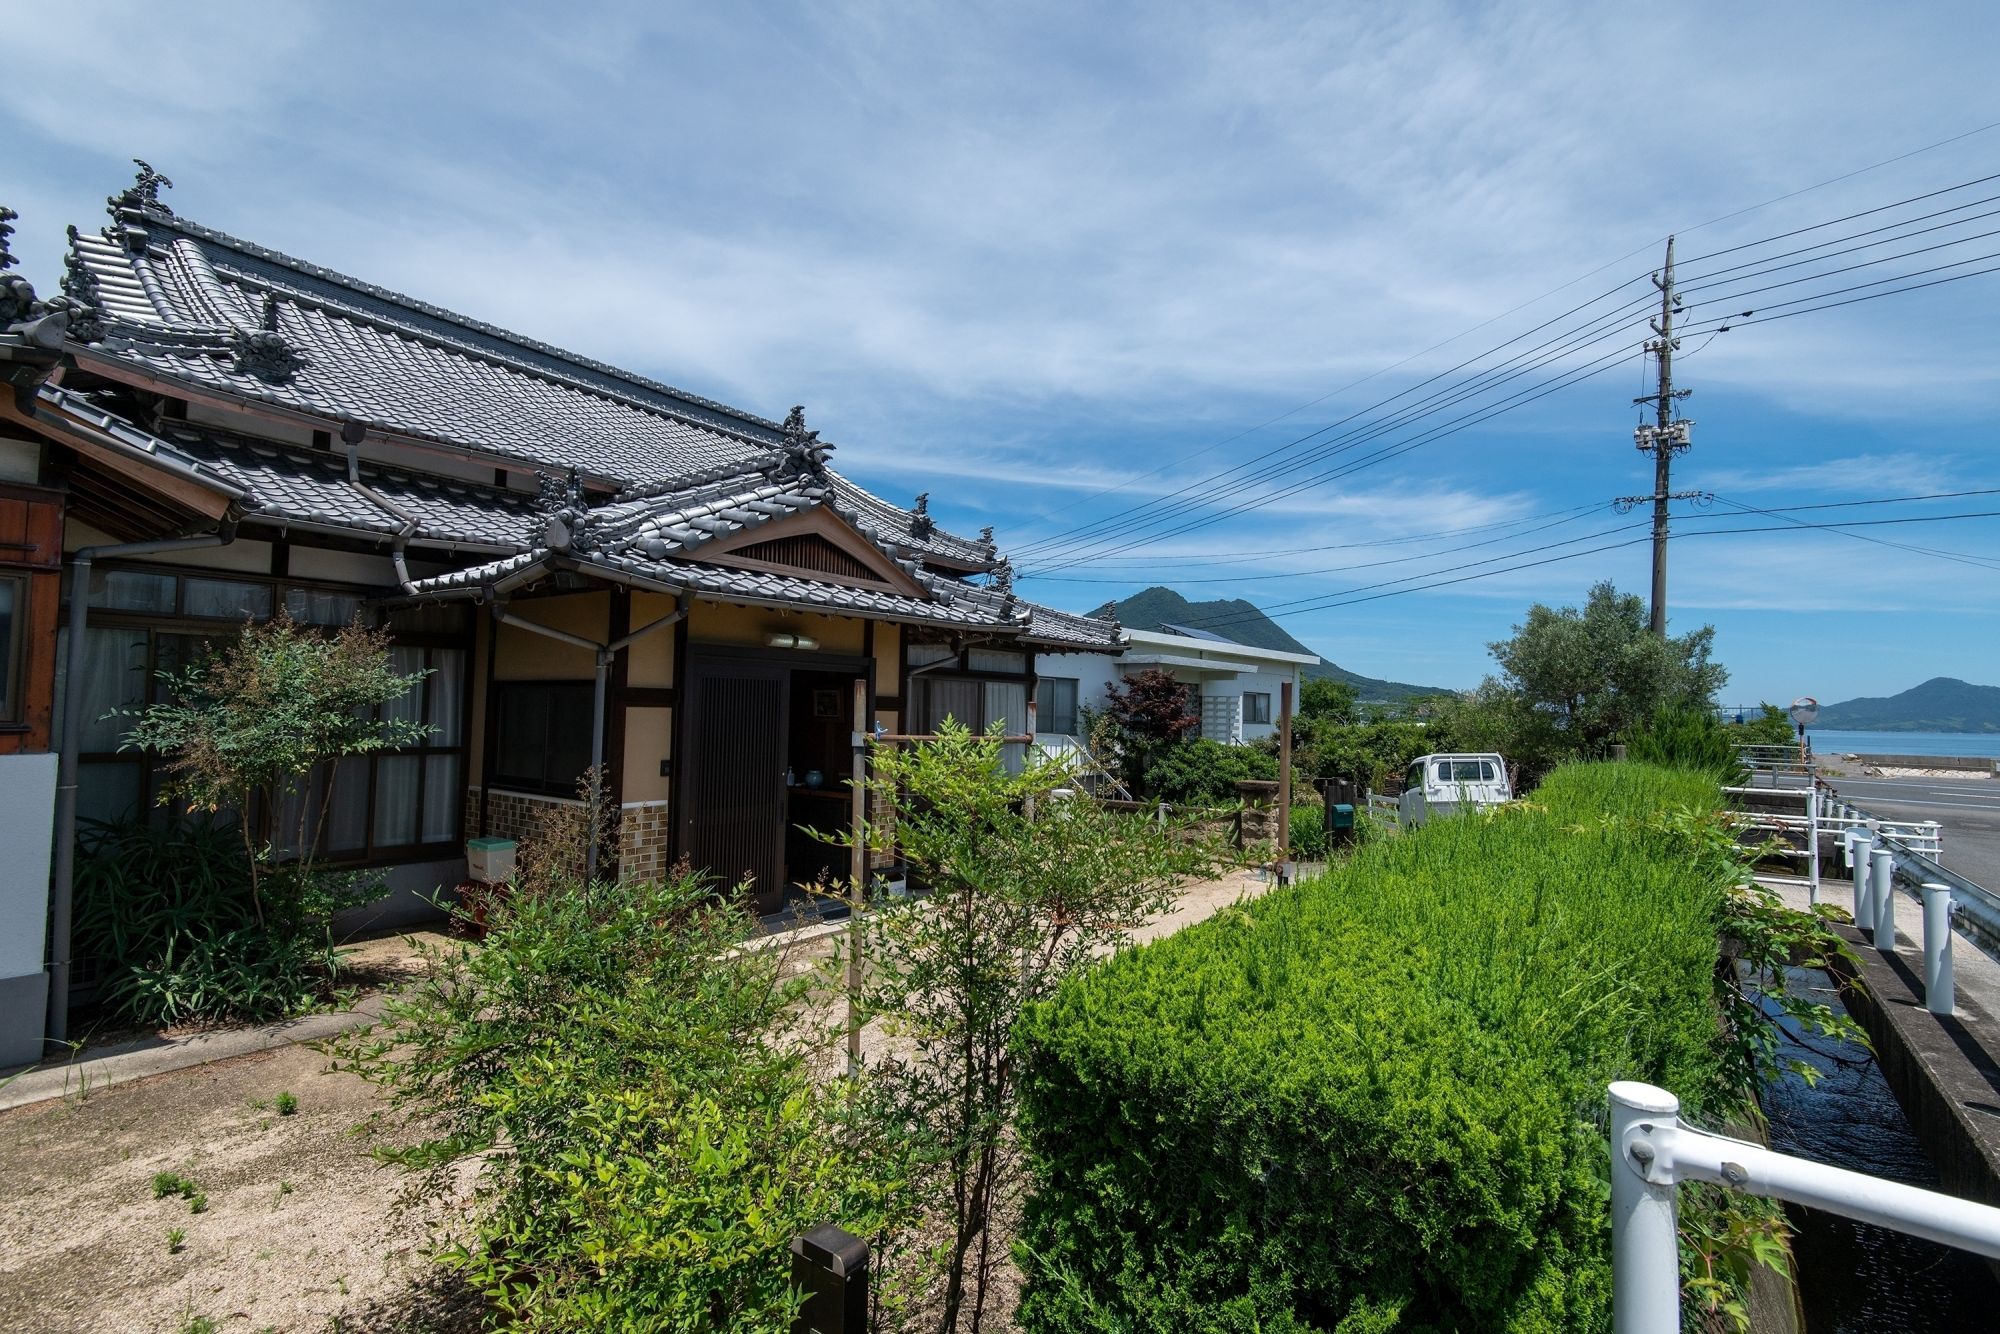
1025,889
167,914
1201,772
639,1092
1308,831
1370,1103
1684,737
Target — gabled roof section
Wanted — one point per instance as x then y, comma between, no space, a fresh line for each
175,300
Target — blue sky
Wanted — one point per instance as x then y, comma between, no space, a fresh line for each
1018,256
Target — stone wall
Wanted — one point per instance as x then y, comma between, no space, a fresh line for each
645,835
645,839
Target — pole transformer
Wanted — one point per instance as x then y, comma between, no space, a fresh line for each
1668,435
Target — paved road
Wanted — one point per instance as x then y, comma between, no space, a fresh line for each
1969,809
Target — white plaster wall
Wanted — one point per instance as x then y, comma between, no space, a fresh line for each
1267,683
27,816
1094,673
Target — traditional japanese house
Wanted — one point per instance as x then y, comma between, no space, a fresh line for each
589,563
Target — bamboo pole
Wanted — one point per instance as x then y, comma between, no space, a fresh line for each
857,870
1284,782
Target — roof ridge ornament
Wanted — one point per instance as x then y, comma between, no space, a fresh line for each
804,454
21,312
1001,581
921,523
559,500
79,285
264,354
143,194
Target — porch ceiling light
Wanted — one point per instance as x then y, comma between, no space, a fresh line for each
779,639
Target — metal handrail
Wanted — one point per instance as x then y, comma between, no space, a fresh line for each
1653,1151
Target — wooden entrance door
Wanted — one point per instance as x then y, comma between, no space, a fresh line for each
732,799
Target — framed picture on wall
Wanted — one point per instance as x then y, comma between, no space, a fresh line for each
826,703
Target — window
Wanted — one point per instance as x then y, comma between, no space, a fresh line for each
1256,707
976,704
543,730
381,806
1464,771
1055,705
315,606
226,599
13,631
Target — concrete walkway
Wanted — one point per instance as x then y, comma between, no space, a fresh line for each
382,961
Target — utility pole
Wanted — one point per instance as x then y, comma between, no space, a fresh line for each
1667,436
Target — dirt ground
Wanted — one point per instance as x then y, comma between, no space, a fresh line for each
302,1229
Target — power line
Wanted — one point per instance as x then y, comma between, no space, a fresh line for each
1067,538
1083,546
1809,304
1334,601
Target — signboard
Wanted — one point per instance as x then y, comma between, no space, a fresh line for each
1804,709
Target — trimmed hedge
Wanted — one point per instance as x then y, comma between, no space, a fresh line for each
1374,1102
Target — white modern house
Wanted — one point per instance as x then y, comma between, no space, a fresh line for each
1232,687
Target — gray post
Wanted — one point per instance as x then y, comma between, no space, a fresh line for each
1939,988
1857,866
1645,1236
1882,893
1812,848
830,1268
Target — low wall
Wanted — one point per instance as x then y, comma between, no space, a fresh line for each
1971,763
1939,1067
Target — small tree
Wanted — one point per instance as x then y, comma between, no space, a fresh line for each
1323,699
1151,711
247,729
1025,889
1596,672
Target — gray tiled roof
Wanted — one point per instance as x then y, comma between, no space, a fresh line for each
753,586
178,298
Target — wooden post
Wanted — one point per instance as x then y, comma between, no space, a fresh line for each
1284,782
857,870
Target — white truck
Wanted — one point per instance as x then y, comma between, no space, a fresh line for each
1441,784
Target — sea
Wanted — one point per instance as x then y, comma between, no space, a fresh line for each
1829,742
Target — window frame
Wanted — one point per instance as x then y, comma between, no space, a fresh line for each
151,769
14,651
545,786
1075,684
1261,716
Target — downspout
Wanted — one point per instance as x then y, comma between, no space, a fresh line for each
352,433
603,654
62,880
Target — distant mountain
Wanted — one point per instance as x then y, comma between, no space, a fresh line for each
1941,704
1233,618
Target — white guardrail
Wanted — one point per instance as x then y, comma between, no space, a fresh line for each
1653,1151
1384,808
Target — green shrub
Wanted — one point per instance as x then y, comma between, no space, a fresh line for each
1372,1102
1201,772
1681,737
637,1086
166,913
1308,831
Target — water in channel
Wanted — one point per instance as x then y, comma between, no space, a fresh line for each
1854,1278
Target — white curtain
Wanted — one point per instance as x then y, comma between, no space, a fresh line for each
1007,704
396,800
447,707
